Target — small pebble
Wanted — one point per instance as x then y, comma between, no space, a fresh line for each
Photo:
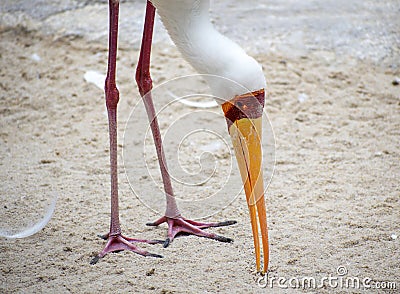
302,97
150,272
396,81
46,161
35,57
393,236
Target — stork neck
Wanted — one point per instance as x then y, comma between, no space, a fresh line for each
192,32
208,51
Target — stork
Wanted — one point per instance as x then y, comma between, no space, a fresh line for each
209,52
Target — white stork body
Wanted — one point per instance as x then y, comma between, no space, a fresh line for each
209,52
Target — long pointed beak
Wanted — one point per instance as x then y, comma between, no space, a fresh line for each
244,118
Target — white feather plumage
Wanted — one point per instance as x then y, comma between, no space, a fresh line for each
208,51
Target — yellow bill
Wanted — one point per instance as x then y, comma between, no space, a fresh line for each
244,119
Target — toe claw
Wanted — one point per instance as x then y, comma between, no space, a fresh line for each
223,239
151,224
155,255
166,243
95,260
104,237
227,223
157,241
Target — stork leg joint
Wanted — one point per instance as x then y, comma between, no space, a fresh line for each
112,95
144,81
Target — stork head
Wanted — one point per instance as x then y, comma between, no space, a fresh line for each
244,118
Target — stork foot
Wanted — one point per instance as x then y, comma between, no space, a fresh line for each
117,243
182,226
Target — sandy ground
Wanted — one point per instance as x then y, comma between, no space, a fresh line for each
333,201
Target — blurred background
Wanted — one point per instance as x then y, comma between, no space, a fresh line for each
363,29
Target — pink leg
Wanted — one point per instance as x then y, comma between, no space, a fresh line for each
116,241
176,223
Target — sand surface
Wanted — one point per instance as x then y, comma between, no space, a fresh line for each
333,201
